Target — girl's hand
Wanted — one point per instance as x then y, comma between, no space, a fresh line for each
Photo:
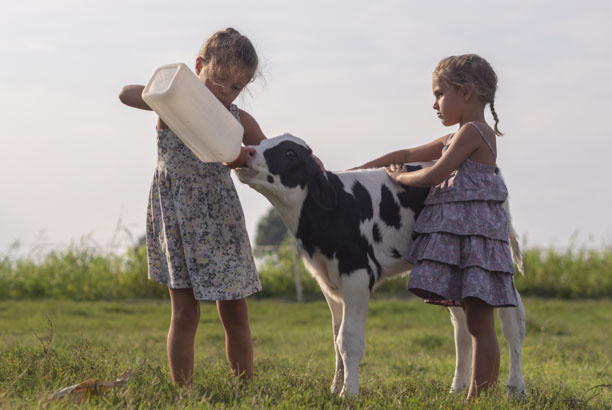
395,171
239,161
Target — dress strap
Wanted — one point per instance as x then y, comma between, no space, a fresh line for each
233,108
485,139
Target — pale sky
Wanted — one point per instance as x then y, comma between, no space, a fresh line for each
352,78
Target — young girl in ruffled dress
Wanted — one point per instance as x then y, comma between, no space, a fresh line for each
461,252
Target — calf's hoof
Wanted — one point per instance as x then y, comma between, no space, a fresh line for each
347,394
516,392
458,387
336,387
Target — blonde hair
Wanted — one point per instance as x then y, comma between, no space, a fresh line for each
472,70
229,49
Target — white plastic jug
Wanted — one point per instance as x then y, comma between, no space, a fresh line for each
195,115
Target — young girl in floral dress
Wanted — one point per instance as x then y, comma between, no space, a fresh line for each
197,243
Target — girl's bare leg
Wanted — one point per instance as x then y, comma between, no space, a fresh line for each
485,348
238,342
181,336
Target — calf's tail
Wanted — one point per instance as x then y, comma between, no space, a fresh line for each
517,256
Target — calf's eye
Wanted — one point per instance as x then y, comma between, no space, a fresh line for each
291,154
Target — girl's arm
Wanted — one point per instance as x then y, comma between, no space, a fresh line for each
131,95
252,136
252,132
426,152
465,142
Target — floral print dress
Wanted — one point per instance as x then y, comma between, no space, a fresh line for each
461,249
196,234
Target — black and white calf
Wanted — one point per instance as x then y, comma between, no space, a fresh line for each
352,230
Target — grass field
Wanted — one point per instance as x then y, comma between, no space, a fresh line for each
409,360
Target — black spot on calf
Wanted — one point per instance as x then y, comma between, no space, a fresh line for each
376,233
364,201
413,198
389,209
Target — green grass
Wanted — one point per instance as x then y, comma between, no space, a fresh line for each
409,360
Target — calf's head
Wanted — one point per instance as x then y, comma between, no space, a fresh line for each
284,171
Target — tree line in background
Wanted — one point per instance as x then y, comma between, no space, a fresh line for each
87,273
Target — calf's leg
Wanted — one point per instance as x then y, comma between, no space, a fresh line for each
463,350
335,308
513,328
351,336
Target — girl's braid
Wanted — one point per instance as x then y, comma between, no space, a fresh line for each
497,131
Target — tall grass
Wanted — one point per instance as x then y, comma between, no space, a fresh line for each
81,272
572,273
560,273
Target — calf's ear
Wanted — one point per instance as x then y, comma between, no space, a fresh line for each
322,192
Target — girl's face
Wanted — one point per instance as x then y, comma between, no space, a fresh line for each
448,103
226,85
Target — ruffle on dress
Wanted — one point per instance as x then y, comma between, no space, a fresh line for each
449,285
473,181
482,218
462,252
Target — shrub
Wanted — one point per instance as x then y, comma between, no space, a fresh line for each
88,273
79,273
566,274
276,272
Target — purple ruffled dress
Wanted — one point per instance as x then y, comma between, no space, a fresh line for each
461,249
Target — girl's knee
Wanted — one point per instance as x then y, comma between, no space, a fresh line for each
233,314
185,309
480,329
479,317
185,318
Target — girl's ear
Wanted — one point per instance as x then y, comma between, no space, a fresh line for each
198,65
467,91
